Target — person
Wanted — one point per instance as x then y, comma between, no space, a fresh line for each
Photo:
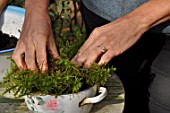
132,35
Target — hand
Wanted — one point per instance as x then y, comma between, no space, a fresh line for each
114,38
108,41
35,39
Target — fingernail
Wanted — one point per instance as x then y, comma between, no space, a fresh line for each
101,63
44,69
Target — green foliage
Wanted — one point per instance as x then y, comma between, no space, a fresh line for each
67,29
19,3
63,76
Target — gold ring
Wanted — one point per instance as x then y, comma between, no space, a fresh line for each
103,49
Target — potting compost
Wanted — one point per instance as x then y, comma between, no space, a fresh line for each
7,41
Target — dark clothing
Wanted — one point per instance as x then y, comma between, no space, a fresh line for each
144,69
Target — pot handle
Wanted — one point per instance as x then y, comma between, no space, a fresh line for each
96,99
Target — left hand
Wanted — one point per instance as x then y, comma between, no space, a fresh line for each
108,41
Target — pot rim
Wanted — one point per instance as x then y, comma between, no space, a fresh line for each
7,50
94,86
65,94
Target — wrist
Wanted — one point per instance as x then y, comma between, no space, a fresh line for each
150,14
134,22
32,4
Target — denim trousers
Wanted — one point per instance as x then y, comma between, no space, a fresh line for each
144,69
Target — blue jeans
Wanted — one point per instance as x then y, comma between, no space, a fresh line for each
144,69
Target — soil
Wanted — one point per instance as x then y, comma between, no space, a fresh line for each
7,41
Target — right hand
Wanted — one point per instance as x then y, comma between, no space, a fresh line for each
35,39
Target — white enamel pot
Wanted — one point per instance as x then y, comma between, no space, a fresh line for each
70,103
11,21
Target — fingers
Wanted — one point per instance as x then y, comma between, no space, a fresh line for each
78,60
93,57
18,58
35,52
52,48
30,57
88,57
106,57
28,54
41,53
82,54
99,58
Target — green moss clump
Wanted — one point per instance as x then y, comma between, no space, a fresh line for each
63,78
